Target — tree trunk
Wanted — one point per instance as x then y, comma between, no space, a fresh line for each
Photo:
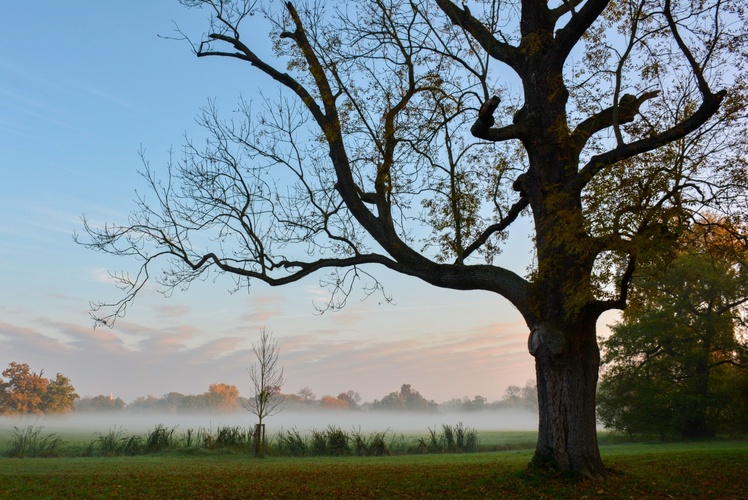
696,424
567,363
259,439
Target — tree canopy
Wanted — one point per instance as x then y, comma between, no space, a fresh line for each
407,399
415,134
100,403
678,362
27,392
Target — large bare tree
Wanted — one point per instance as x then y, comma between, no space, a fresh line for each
415,134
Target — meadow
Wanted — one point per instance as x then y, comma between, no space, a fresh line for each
713,469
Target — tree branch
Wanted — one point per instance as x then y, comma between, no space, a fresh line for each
695,67
708,108
482,126
568,6
568,36
628,108
500,51
511,216
244,53
623,290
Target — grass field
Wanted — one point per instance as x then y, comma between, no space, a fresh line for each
696,470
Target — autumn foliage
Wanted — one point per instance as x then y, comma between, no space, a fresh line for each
23,391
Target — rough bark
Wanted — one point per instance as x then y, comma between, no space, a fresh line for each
567,375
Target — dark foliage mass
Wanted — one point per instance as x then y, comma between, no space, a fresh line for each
677,364
407,399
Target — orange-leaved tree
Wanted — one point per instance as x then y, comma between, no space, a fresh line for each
223,397
24,391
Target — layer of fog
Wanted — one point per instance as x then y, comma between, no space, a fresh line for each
364,421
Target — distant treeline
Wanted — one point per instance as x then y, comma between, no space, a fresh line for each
224,398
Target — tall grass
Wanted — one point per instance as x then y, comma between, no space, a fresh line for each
116,443
330,441
334,441
291,443
337,441
28,442
234,438
451,439
160,438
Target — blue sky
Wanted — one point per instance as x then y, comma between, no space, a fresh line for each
83,86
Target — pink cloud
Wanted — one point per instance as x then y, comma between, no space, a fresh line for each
136,360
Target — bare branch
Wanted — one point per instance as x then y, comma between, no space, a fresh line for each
697,70
505,222
708,108
499,50
482,126
626,110
569,35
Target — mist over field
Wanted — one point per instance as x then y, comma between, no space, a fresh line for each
365,421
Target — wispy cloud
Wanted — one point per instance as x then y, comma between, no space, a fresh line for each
263,308
58,81
136,360
167,311
86,87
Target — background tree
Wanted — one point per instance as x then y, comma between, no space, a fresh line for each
331,403
307,395
144,404
520,397
60,395
99,403
477,403
24,391
408,399
675,359
351,398
266,380
367,158
223,397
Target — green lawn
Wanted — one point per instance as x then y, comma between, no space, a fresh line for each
697,470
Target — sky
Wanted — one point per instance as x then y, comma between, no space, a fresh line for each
84,86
